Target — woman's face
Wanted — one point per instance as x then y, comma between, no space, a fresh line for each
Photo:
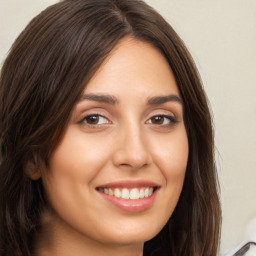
118,172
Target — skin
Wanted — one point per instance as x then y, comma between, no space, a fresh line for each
129,141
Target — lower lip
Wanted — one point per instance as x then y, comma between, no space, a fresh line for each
127,205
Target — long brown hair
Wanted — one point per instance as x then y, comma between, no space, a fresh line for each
42,79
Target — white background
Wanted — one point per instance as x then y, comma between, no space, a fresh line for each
221,36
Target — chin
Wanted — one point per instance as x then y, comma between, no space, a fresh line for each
128,235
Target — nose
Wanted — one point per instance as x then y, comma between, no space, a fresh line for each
132,149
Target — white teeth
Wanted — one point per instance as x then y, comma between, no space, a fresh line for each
125,193
134,194
110,192
117,192
146,193
141,193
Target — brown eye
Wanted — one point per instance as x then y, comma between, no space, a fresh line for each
95,120
157,120
162,120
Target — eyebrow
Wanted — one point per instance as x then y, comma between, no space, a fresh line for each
109,99
112,100
163,99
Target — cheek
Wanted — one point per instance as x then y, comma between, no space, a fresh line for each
72,169
171,155
79,157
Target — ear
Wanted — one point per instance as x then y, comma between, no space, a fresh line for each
32,168
32,171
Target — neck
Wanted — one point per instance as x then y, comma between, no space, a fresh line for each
58,239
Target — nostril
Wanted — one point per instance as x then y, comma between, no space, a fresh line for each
131,151
133,166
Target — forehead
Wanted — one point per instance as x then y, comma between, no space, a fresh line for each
134,65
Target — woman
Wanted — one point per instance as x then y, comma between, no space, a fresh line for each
108,144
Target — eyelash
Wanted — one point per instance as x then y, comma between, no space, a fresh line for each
170,119
96,117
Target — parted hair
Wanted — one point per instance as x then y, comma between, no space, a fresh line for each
43,77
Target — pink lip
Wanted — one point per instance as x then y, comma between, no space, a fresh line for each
138,205
130,184
132,206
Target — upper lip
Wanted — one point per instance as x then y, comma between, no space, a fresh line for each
130,184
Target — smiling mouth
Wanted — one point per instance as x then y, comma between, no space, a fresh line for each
129,193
